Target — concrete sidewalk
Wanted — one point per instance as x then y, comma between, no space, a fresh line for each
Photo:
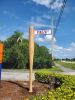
12,75
23,75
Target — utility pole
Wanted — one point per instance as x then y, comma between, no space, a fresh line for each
52,39
31,54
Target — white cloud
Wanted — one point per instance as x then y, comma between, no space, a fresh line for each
39,25
61,52
36,19
49,37
38,22
40,39
47,17
43,2
47,3
57,4
73,45
58,47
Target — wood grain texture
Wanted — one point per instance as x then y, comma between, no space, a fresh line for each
31,54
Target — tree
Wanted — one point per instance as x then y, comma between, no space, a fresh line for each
13,53
16,53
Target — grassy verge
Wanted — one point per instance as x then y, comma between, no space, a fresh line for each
54,68
67,65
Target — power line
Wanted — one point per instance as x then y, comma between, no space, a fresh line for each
60,15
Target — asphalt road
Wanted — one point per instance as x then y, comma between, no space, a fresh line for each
66,70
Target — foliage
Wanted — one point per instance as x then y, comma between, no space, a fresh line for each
41,62
16,53
65,59
42,58
53,69
66,91
69,59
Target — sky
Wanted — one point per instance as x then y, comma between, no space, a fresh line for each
20,14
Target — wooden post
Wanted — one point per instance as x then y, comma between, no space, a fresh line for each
31,54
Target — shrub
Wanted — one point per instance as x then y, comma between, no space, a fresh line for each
66,91
41,62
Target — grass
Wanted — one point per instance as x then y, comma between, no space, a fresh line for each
54,69
67,65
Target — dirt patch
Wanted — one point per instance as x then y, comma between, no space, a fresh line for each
19,90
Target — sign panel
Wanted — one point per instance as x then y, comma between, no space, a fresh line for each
39,32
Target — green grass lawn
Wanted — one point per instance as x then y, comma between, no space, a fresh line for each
67,65
54,68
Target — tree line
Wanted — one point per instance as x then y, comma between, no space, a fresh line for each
15,53
65,59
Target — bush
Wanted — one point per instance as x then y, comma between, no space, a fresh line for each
66,91
42,63
45,77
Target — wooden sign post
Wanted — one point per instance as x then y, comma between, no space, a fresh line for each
31,54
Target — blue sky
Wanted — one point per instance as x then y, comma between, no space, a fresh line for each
20,14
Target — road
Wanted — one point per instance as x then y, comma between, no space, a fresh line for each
66,70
